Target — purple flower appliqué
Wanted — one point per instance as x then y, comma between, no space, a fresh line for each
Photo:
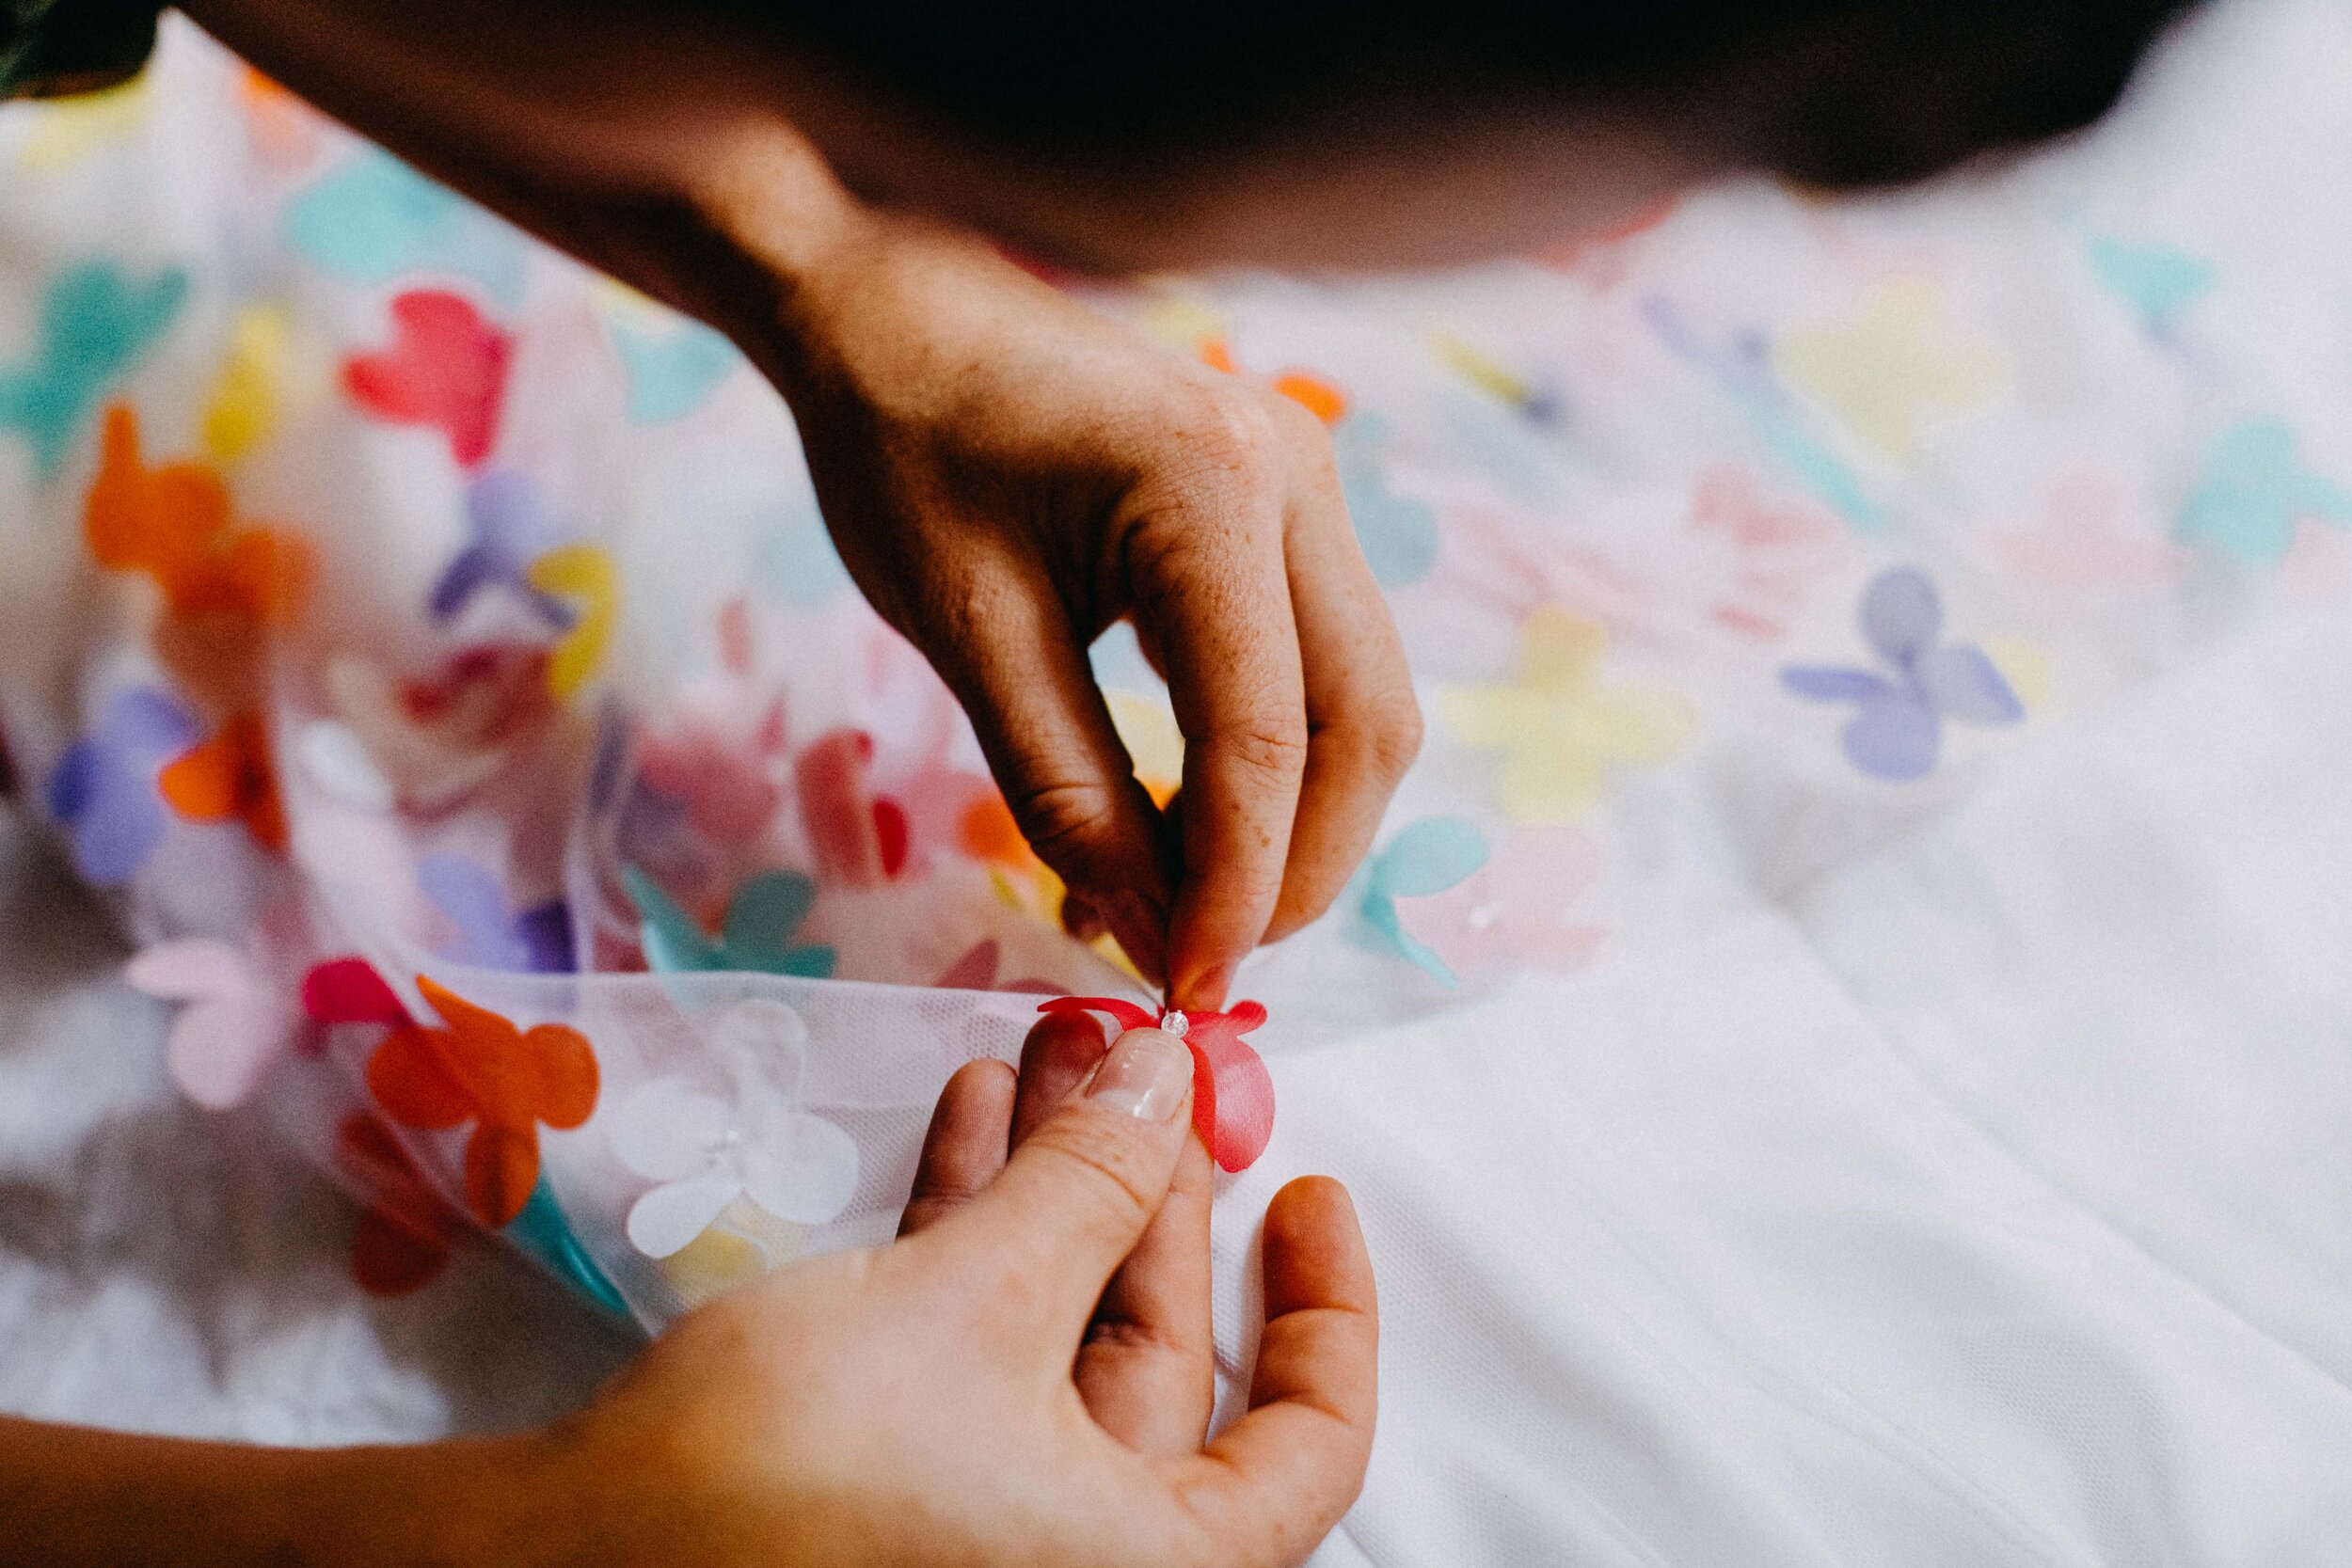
102,790
1897,727
536,940
510,525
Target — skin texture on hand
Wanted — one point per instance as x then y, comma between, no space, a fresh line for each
1023,1380
1005,473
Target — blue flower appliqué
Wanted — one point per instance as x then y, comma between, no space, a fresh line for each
96,323
509,527
2254,491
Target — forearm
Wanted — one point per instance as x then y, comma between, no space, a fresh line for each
71,1496
667,149
642,146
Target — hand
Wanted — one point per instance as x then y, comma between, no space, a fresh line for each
1022,1381
977,1393
1005,474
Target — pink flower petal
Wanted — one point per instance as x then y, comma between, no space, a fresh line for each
218,1049
190,971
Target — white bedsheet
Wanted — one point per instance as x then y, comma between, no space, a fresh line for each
1929,1222
1998,1217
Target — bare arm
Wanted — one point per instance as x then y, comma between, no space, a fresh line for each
72,1498
1023,1380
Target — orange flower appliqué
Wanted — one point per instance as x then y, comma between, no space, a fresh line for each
173,522
481,1069
228,778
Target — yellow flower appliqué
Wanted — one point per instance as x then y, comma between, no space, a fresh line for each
68,129
1560,730
1898,365
244,410
585,577
1147,728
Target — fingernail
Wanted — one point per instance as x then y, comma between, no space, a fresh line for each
1145,1075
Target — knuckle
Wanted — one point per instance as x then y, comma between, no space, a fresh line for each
1066,822
923,1212
940,1196
1006,1288
1127,1336
726,1328
1393,730
1301,428
1232,438
1272,748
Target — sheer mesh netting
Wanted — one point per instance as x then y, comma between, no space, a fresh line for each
439,653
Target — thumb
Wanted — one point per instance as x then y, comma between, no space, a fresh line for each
1074,1198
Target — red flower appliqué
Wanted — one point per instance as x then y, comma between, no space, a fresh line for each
1233,1094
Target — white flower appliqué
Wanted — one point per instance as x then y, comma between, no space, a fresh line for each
706,1148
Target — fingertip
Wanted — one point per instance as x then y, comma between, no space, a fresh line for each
1206,943
974,1095
1312,1202
984,1077
1060,1050
1062,1043
1221,916
1202,987
965,1148
1315,1254
1052,1028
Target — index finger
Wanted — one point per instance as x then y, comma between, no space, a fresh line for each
1015,661
1211,588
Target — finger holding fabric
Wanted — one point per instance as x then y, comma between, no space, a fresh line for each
1005,471
1002,498
1146,1367
925,1403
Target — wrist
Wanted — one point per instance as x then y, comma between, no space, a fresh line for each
459,1503
852,312
754,230
520,1500
74,1496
